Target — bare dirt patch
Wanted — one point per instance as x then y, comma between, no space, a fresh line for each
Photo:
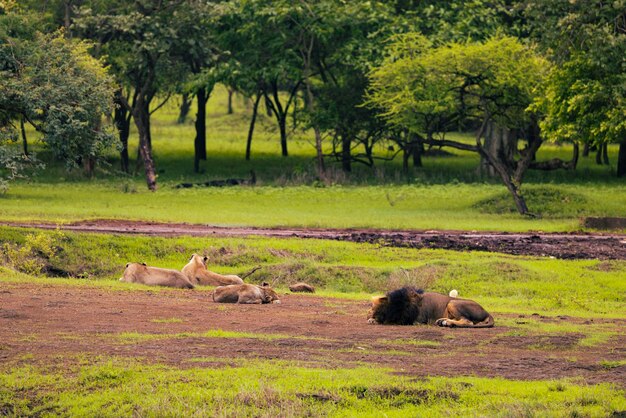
42,323
563,246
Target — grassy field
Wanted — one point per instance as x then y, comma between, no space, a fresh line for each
447,193
507,283
117,387
527,295
538,289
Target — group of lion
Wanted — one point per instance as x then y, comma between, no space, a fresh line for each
230,288
404,306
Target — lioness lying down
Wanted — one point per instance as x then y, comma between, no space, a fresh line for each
197,273
155,276
407,306
245,293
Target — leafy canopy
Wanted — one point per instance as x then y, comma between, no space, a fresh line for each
57,86
429,88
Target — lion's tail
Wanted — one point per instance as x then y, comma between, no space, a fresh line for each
243,276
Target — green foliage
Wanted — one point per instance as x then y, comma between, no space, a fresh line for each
462,20
13,163
584,100
54,84
431,89
36,255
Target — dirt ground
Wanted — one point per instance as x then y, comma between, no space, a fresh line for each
53,322
563,246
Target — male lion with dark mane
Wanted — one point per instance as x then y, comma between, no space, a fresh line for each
408,305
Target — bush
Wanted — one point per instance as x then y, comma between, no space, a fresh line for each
36,256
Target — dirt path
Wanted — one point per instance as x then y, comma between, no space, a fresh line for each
50,323
564,246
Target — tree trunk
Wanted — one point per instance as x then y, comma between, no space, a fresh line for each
406,154
282,124
599,155
586,149
67,18
149,128
142,122
503,171
501,144
346,158
605,153
202,97
89,165
417,150
230,101
121,117
24,140
512,177
621,160
255,110
185,107
310,104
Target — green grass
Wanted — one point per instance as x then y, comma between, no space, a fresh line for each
134,337
501,283
589,335
168,321
447,193
115,387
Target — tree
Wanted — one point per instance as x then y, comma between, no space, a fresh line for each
585,93
138,41
55,85
428,89
258,37
337,43
196,47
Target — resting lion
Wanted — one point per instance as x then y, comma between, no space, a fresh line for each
245,293
155,276
302,287
407,306
198,274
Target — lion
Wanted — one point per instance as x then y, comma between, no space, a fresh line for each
302,287
155,276
245,293
197,273
408,305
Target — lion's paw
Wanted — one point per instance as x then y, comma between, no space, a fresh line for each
442,322
371,321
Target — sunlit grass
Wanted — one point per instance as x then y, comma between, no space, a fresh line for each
591,334
115,387
135,337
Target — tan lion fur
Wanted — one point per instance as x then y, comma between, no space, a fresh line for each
155,276
245,293
408,306
302,287
198,274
